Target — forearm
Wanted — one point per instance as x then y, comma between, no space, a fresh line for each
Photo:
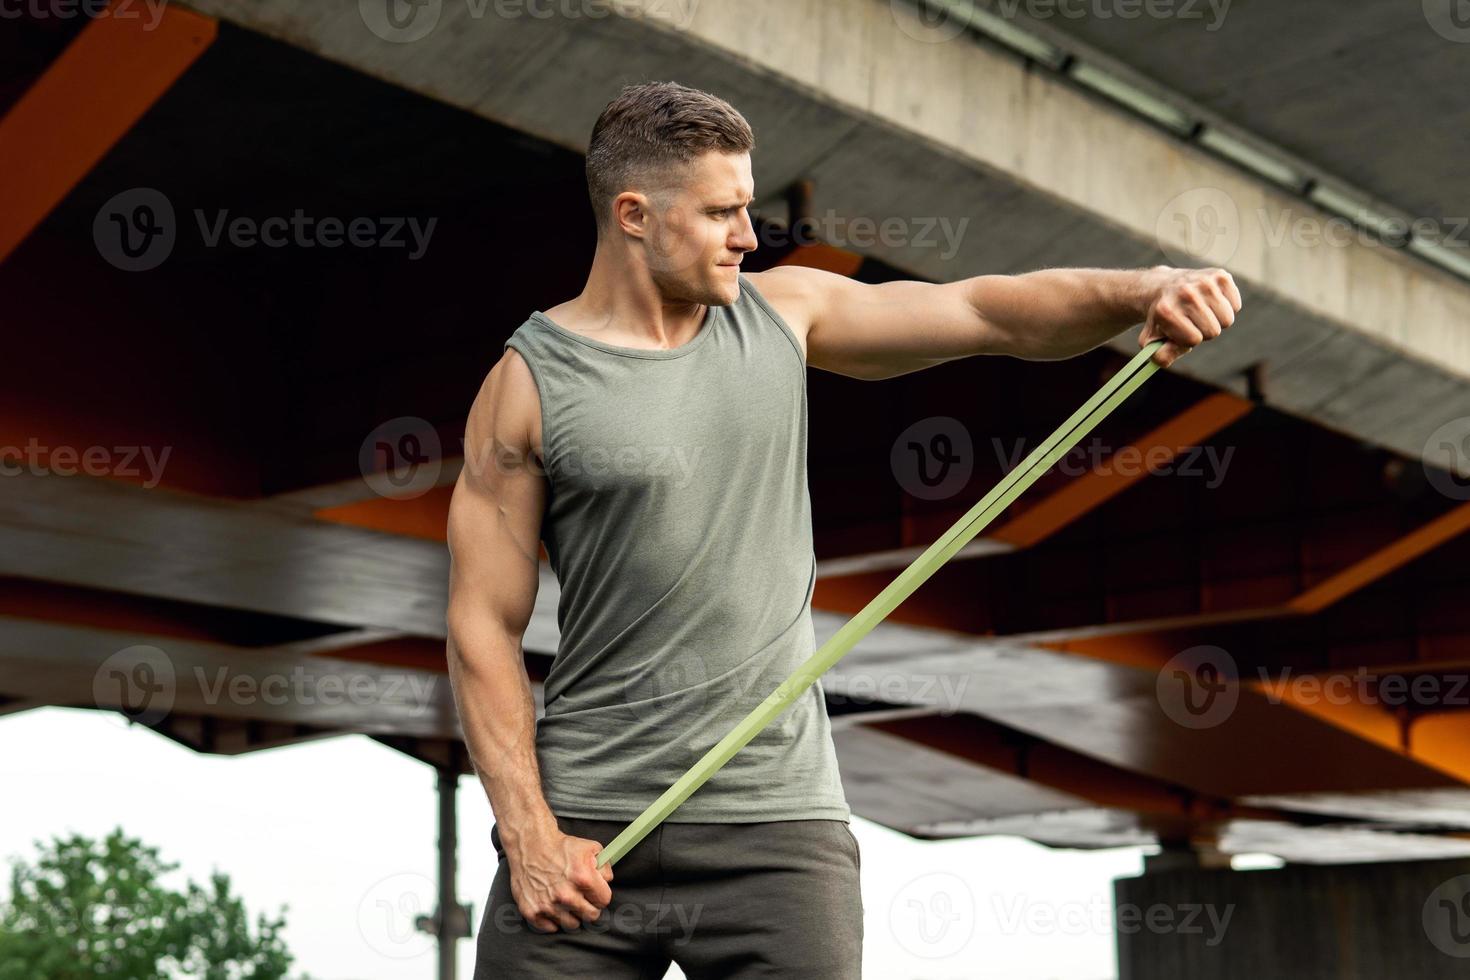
1052,314
498,715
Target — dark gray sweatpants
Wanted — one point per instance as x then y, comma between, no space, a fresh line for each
726,900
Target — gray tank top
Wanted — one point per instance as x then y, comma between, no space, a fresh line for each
678,523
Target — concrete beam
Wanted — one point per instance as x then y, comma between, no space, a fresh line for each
891,120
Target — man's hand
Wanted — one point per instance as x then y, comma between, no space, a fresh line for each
1190,307
555,880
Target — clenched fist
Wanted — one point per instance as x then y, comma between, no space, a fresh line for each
1190,307
556,882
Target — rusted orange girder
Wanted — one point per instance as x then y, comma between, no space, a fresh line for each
102,84
819,256
1087,492
1386,559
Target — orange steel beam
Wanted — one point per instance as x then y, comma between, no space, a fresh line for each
1091,490
1363,572
1384,560
425,516
1441,741
1433,734
826,257
102,84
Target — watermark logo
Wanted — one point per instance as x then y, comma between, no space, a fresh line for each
1204,226
1446,459
1308,230
1096,915
946,692
1199,227
858,232
1199,687
671,465
411,692
928,23
401,21
677,920
1446,917
933,458
138,681
388,914
401,458
150,12
937,21
933,916
1450,19
668,692
136,229
142,463
406,21
1396,691
1097,457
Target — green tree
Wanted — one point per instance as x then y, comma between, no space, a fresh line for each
89,909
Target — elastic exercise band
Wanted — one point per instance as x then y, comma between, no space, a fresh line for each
1011,486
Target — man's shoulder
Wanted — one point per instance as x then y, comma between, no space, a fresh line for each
792,291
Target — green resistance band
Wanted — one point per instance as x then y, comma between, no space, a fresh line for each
1057,445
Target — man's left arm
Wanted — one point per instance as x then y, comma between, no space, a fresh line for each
880,331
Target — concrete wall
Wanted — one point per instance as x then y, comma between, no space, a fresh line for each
1403,921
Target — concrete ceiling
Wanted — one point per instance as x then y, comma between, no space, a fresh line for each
1372,92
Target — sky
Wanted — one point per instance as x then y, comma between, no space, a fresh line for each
342,832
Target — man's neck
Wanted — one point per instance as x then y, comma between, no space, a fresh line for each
622,301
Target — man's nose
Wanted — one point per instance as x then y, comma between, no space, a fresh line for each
745,240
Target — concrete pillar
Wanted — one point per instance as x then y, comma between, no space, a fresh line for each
1407,920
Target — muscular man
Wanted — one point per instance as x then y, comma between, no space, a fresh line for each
652,431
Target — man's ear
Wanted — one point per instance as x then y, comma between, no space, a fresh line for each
630,213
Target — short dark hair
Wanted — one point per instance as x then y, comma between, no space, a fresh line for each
653,127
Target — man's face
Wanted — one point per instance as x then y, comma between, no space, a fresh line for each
699,230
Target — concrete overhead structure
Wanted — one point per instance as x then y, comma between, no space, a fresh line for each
1034,685
897,115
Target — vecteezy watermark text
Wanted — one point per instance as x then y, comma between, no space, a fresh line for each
1016,914
406,21
863,232
137,230
143,682
39,460
149,11
937,21
1096,457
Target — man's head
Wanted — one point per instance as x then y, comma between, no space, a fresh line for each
668,171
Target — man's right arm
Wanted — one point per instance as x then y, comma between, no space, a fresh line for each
494,530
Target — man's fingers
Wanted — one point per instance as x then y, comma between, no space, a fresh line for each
594,887
1231,292
1224,315
598,892
576,905
1168,353
541,922
1219,307
1179,322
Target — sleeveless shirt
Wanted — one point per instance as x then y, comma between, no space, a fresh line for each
678,524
